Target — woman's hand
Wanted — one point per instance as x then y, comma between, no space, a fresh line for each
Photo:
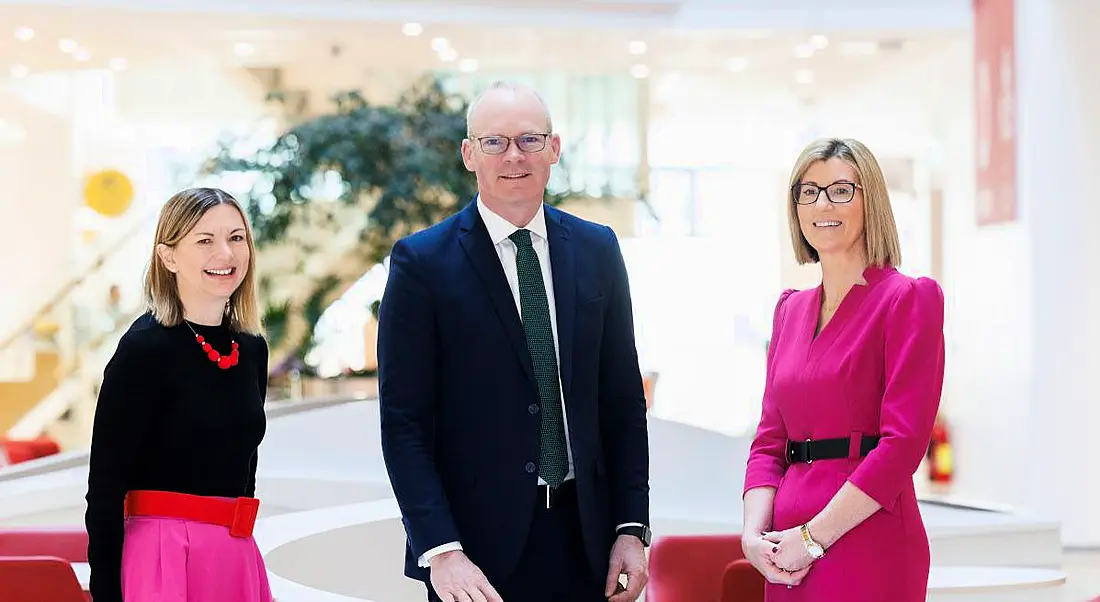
786,550
758,551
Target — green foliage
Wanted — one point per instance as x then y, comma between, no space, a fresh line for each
401,164
404,158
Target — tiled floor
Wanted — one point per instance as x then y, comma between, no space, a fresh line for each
1082,570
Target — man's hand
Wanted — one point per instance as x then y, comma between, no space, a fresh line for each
627,558
456,579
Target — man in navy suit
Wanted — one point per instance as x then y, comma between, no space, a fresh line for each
513,418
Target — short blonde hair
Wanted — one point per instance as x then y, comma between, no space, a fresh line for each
177,218
880,233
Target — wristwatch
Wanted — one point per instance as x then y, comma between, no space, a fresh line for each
814,548
641,532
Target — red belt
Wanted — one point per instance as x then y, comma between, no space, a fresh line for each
239,515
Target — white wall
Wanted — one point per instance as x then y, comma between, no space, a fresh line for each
1023,295
37,205
1059,149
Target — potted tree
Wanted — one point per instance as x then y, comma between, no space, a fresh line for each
333,193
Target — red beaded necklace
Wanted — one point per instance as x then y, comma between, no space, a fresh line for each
224,362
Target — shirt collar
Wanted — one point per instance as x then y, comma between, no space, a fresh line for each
500,228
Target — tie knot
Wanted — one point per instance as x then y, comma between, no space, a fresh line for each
521,237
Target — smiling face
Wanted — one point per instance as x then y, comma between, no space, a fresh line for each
211,260
831,227
510,148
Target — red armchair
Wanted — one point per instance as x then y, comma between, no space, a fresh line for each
15,451
38,579
67,543
702,568
35,564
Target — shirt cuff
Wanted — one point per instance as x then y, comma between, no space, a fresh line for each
628,525
447,547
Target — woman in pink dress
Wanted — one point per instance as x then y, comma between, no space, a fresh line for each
855,370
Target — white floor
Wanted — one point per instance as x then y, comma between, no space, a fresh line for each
329,525
1082,569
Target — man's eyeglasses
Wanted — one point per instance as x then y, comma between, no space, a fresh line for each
496,145
840,191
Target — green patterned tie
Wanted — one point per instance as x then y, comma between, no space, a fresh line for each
535,312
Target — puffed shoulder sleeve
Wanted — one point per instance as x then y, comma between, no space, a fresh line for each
914,368
767,456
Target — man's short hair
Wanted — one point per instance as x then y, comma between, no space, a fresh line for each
514,87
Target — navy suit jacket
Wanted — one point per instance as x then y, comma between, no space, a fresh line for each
456,385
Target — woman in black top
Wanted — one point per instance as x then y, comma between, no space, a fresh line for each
179,419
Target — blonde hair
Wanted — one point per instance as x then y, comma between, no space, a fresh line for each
880,233
177,218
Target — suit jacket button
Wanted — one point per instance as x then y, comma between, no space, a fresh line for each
533,408
530,467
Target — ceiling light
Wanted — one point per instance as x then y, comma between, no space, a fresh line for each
803,51
737,63
82,55
440,44
118,64
639,71
448,55
412,29
638,47
467,65
819,41
24,34
19,71
244,49
804,76
67,46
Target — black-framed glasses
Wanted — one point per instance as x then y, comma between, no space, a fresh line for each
841,191
497,145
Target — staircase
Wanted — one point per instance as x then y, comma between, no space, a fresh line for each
51,364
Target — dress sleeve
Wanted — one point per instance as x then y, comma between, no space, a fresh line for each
767,455
123,419
914,368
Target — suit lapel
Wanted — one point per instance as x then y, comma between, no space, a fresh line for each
479,250
563,269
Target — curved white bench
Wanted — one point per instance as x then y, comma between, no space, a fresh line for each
988,583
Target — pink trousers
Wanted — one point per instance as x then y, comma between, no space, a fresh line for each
175,560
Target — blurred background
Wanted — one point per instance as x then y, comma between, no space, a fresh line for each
680,122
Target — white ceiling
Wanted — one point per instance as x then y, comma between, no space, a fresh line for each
695,14
339,53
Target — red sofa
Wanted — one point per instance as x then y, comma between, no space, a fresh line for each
67,543
35,564
38,579
701,568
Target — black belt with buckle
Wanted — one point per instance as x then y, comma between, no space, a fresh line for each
828,449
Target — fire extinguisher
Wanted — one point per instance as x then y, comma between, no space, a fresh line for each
941,461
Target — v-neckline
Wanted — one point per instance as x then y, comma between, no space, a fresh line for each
852,298
818,309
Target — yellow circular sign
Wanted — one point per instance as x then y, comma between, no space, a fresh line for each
109,192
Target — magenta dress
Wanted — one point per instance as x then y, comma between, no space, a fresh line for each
875,369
